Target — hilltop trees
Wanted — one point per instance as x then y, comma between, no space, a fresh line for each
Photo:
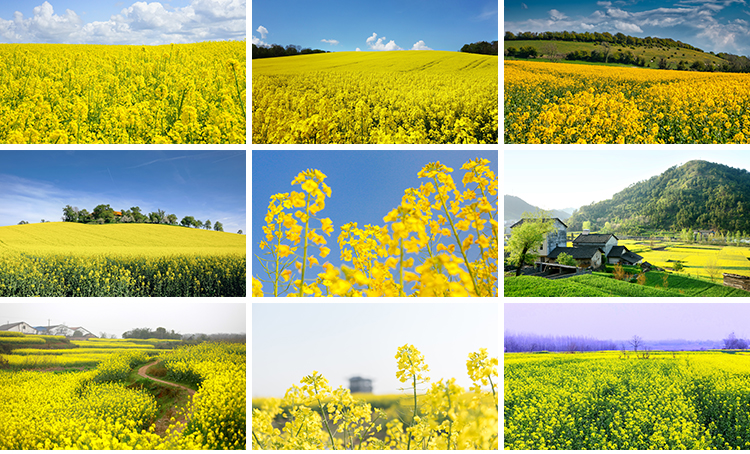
733,343
481,47
146,333
104,214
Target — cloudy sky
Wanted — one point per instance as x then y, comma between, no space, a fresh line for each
556,175
339,25
361,339
121,22
38,184
651,321
711,25
118,317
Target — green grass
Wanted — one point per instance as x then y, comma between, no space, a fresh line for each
600,285
672,55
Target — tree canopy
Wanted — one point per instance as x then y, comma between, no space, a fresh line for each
528,236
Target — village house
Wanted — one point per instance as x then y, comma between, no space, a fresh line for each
360,385
19,327
76,332
589,249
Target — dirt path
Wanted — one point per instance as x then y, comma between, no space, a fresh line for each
161,425
142,373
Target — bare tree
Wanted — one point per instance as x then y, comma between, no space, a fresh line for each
635,342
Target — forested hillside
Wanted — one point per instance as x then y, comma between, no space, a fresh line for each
697,195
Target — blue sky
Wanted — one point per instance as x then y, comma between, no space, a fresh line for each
208,185
617,321
558,175
122,22
339,25
711,25
341,341
365,185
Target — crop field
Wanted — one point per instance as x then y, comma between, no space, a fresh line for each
71,259
440,241
695,258
315,416
604,285
376,97
101,409
608,400
564,103
73,93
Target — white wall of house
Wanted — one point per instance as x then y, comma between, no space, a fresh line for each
23,327
610,243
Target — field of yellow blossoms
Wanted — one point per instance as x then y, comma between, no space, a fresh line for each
95,409
376,97
316,416
440,241
71,259
613,400
569,103
74,93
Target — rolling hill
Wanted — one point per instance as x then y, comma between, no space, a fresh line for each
514,207
695,195
143,239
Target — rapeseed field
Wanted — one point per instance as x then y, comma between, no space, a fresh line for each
376,97
70,259
612,400
569,103
73,93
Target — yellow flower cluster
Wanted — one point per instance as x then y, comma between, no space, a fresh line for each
611,400
178,93
566,103
315,416
429,224
114,274
376,97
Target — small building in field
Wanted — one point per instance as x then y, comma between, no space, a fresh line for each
74,332
360,385
621,255
585,256
19,327
606,241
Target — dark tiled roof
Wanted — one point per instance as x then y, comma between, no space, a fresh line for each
631,257
623,253
617,251
543,219
595,238
8,326
578,253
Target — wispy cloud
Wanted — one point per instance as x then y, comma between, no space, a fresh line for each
332,42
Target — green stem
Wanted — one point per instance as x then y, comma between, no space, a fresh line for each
258,441
304,248
239,94
493,391
414,416
325,420
455,235
401,268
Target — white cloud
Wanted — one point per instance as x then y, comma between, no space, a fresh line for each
139,23
358,50
627,27
375,43
524,6
557,15
332,42
420,45
617,13
263,31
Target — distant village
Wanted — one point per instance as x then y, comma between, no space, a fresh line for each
71,332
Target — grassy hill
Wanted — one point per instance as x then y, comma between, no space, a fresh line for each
379,62
603,286
138,239
552,49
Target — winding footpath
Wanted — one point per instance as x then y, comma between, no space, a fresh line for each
142,373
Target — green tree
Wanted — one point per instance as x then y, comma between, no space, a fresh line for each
137,215
566,259
172,219
105,213
207,224
70,214
219,227
198,224
686,235
239,232
187,221
586,225
528,236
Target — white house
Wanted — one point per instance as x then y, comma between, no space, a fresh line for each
19,327
62,330
606,241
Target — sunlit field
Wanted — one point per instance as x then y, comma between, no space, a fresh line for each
615,400
376,97
569,103
99,406
74,93
71,259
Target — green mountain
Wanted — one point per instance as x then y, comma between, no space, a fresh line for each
514,207
697,195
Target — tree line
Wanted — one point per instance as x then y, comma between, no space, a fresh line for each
515,342
596,37
146,333
480,47
104,214
276,50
